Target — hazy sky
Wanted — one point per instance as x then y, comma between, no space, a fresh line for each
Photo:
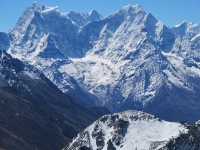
171,12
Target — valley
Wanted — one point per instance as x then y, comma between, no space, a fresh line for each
137,77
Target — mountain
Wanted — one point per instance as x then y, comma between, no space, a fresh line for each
80,19
49,43
186,141
4,41
127,130
34,113
126,60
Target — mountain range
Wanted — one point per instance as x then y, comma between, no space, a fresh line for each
126,60
34,113
60,70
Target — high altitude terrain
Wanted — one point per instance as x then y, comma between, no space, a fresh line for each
132,130
34,113
126,60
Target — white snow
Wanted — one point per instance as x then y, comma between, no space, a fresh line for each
48,9
116,57
141,132
178,25
196,38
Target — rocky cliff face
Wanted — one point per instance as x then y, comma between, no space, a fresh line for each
127,60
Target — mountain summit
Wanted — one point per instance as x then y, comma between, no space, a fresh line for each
125,131
126,60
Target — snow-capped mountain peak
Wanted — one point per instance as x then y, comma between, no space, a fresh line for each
186,30
125,131
27,15
136,8
127,60
181,24
94,15
46,9
93,12
34,7
81,19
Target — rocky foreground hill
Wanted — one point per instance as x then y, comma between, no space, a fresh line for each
131,130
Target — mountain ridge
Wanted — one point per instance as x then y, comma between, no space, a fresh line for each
127,60
34,113
127,130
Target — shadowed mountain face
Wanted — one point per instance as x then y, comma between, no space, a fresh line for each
34,113
4,41
127,60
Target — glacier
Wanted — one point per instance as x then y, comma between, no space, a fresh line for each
126,60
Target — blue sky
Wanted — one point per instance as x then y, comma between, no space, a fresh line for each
171,12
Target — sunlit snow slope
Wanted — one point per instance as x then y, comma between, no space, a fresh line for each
128,130
126,60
